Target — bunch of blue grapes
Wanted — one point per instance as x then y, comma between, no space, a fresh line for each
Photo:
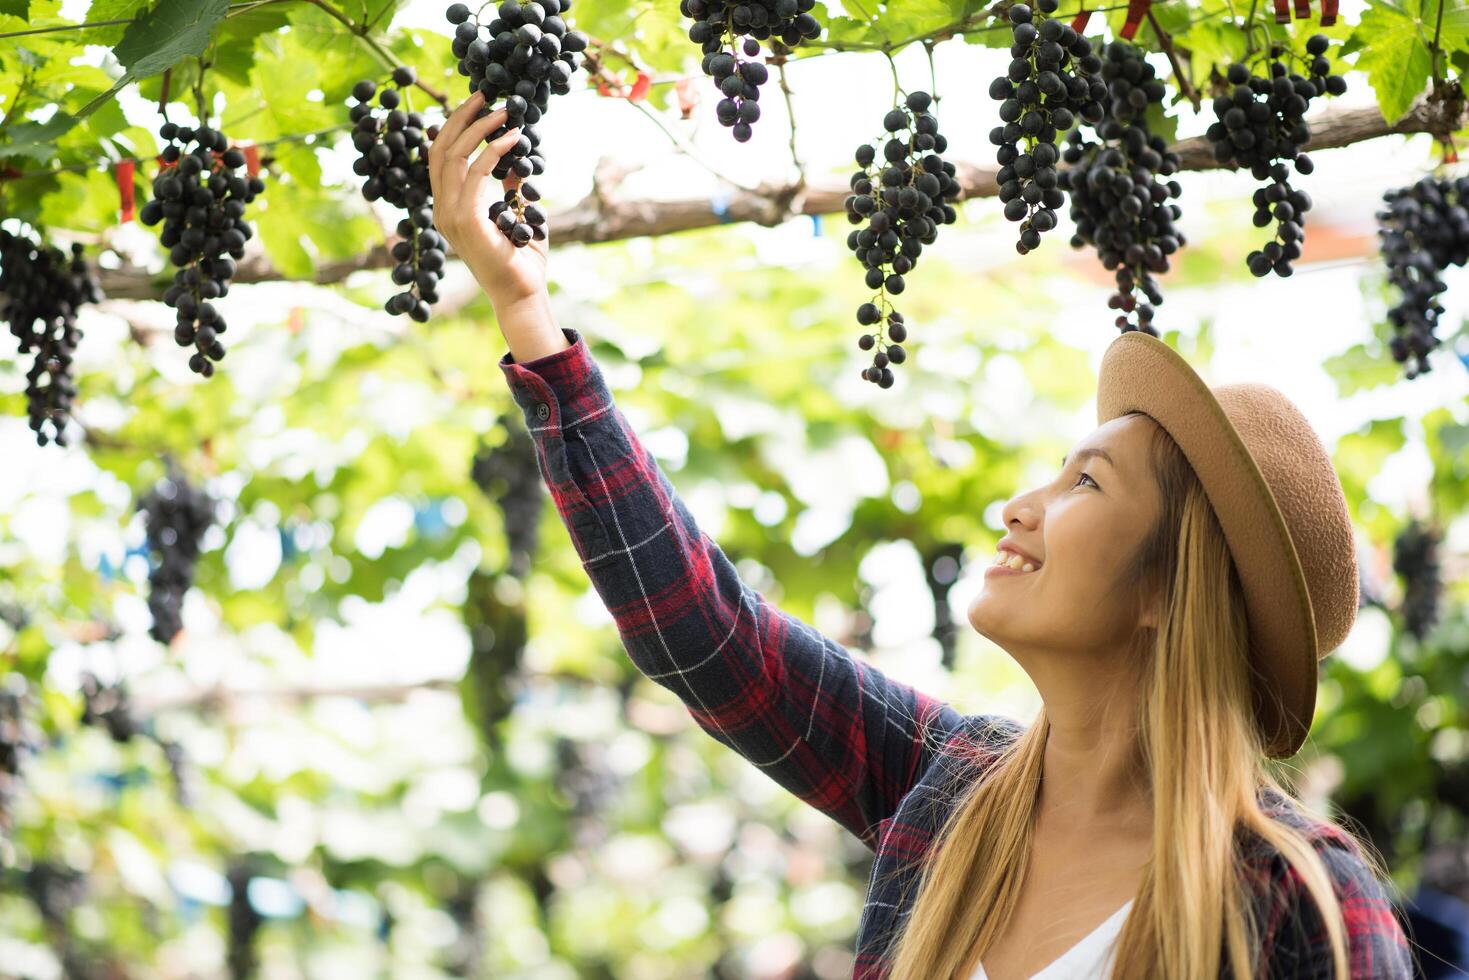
1260,124
19,738
1416,559
1118,205
1051,84
1422,231
717,24
904,200
200,195
393,155
525,54
41,292
176,515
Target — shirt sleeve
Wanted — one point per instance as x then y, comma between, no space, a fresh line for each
836,732
1377,946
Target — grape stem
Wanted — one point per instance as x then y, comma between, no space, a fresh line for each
1165,41
199,99
933,74
1434,49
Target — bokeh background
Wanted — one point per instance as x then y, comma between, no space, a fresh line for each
398,735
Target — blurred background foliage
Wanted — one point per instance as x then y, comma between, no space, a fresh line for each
397,735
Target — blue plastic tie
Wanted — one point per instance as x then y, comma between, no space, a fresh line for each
720,204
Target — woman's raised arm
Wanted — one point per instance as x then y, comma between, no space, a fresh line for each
836,732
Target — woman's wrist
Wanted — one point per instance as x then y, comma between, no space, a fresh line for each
529,326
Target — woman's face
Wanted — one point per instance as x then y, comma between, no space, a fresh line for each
1083,527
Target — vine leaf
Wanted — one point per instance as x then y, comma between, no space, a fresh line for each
170,32
1395,49
156,41
16,8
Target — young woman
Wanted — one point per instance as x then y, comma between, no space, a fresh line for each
1170,593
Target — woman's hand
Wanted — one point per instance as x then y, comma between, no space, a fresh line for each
462,199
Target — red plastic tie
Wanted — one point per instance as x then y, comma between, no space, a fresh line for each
1282,11
1303,9
688,96
125,170
252,159
1078,23
1328,12
640,87
1136,11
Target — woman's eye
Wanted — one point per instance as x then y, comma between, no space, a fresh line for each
1085,477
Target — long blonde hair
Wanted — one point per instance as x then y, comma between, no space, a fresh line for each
1206,764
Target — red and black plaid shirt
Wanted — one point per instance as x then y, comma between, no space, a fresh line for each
879,757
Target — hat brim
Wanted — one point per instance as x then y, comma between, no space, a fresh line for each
1141,373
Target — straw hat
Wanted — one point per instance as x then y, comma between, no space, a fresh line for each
1280,504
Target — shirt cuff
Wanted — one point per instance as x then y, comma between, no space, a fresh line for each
560,388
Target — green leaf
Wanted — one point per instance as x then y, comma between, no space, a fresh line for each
16,8
170,32
1160,123
1394,55
36,140
112,10
1357,369
234,41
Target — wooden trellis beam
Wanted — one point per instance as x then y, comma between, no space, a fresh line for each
601,217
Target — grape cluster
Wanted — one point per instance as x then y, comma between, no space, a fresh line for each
18,739
244,922
507,474
56,889
582,775
1117,202
1259,125
108,706
941,566
904,199
1050,85
1423,230
180,770
718,23
200,196
41,291
393,146
1416,559
529,55
176,516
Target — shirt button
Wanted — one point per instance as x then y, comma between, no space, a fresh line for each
543,411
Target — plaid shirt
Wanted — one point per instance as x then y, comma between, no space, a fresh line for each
880,758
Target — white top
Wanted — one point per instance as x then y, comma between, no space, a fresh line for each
1089,959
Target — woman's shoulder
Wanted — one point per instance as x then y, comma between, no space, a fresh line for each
1376,943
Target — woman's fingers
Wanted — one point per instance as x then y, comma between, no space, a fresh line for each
474,133
449,132
487,160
